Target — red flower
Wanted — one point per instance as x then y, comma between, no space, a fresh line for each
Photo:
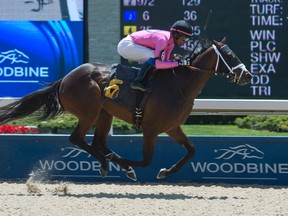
15,129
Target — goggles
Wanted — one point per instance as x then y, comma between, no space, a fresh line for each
184,38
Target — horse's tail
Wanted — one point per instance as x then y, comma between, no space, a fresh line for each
45,100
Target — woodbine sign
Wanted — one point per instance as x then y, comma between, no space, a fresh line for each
233,160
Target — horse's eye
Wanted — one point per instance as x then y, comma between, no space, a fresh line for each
230,55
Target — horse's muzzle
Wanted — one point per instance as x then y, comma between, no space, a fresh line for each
245,78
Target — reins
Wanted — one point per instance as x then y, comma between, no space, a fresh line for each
204,30
179,90
177,84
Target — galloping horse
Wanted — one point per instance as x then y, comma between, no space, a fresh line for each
81,93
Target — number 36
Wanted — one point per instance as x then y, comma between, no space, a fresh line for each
190,15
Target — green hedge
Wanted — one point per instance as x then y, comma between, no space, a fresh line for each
67,122
260,122
211,119
63,122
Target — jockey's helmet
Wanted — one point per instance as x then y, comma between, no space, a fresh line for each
181,28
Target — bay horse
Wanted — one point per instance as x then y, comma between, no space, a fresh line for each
81,93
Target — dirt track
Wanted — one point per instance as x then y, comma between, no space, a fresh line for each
59,199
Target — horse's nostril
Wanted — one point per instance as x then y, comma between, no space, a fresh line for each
248,75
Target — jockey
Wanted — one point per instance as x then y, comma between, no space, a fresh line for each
154,48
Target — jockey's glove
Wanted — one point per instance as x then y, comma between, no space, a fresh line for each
182,62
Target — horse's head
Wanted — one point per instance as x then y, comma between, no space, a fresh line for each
229,65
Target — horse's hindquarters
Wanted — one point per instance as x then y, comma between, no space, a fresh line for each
79,93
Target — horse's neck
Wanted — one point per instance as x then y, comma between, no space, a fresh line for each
193,81
206,60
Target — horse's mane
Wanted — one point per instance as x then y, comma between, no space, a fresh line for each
202,46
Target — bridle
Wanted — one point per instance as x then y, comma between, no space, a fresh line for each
232,75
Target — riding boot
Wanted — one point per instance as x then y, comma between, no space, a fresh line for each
136,83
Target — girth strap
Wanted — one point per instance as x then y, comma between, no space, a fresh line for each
141,98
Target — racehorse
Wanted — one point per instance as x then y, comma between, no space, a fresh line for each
81,93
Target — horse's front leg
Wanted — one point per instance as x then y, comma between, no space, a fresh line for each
178,135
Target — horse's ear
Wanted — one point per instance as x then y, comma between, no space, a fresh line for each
219,44
216,43
224,40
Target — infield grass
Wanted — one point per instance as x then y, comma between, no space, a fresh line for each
226,130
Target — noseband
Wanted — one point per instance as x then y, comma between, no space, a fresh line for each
232,75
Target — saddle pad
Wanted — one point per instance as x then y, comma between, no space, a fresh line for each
118,89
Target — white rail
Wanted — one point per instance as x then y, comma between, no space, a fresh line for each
225,106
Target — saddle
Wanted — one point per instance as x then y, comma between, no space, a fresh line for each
118,91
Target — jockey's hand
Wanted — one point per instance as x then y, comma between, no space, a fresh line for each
176,57
183,62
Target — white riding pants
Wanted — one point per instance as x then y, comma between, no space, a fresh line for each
134,52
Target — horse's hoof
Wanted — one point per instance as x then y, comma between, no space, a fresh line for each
130,173
103,171
162,173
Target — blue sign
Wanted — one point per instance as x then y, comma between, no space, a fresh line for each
130,16
239,160
34,53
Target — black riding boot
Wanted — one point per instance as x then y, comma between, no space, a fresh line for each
136,83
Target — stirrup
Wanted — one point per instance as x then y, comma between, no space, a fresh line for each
139,86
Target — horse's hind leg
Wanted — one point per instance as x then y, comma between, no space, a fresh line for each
103,125
78,138
178,135
102,129
81,96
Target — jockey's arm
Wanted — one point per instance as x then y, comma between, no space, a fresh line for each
165,64
162,55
